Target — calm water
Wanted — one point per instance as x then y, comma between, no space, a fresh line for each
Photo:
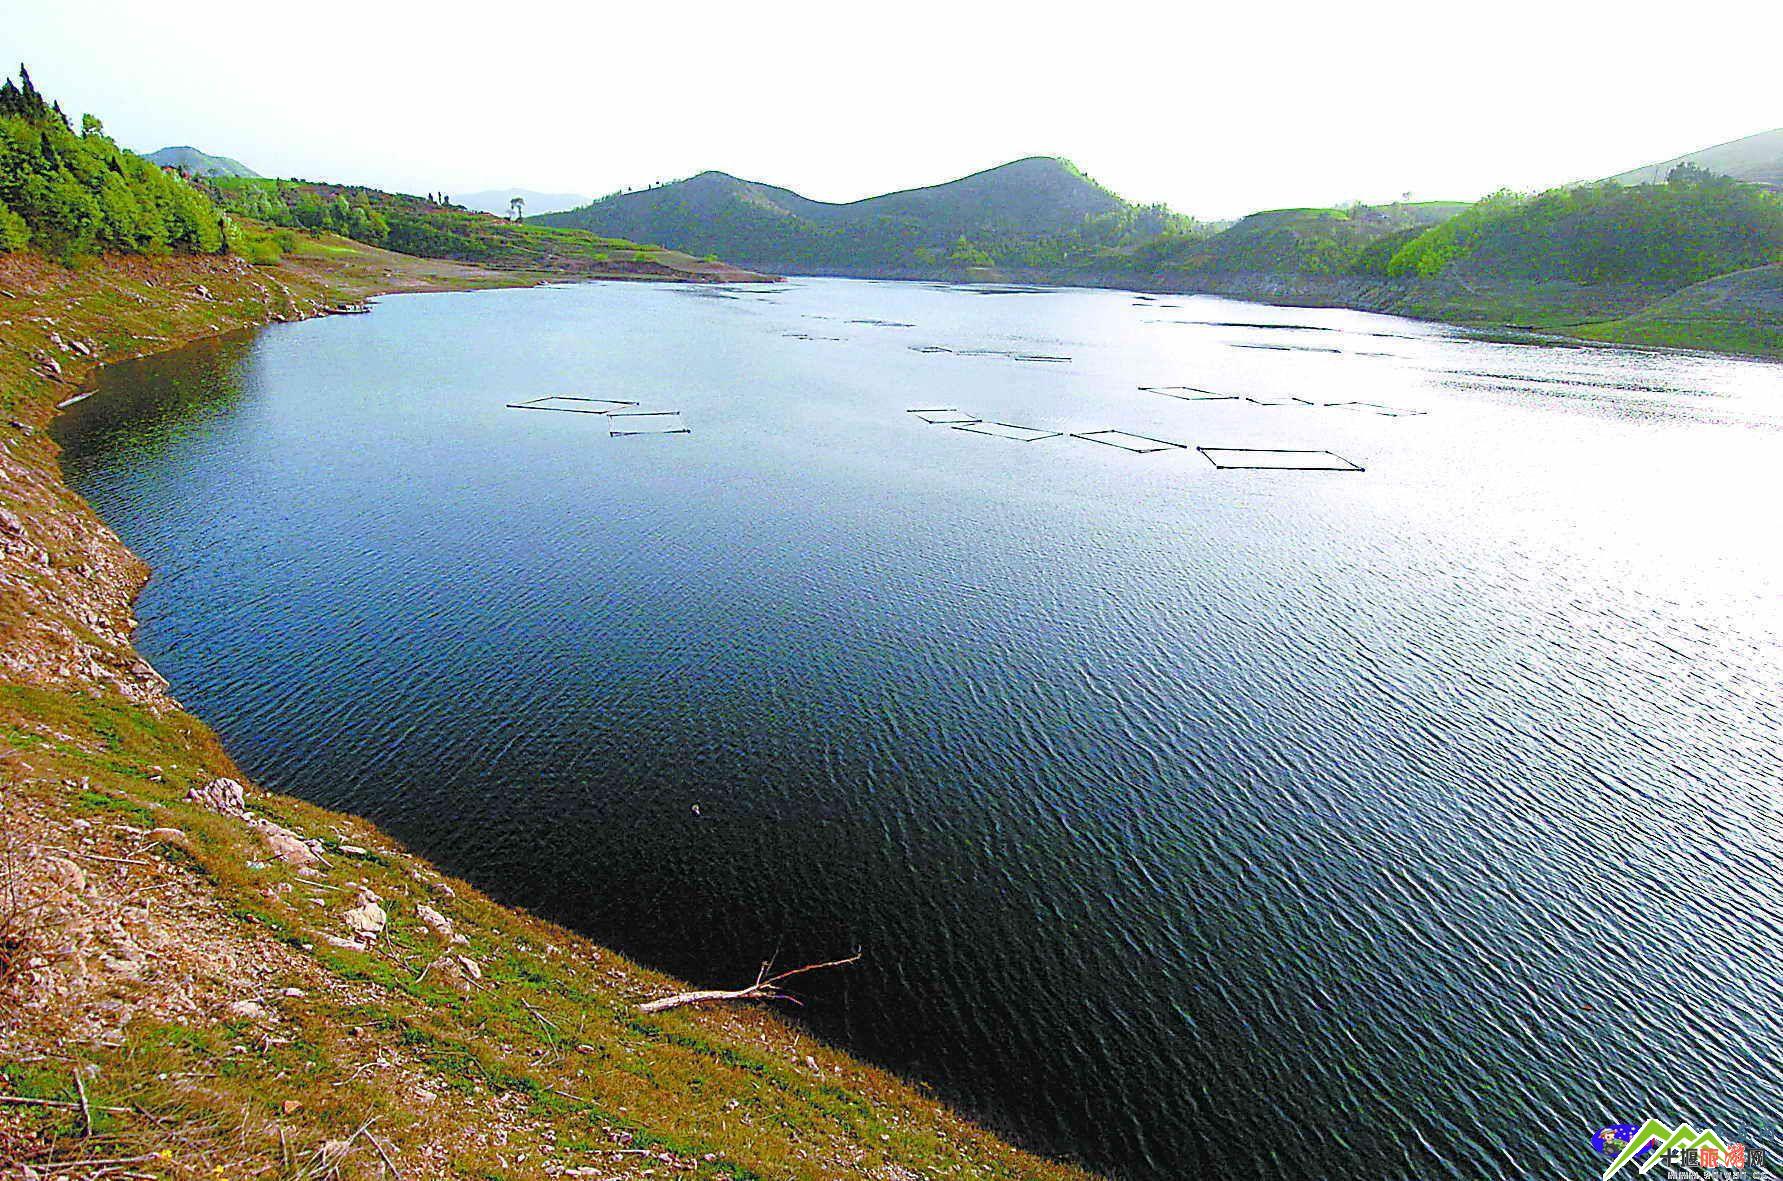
1411,822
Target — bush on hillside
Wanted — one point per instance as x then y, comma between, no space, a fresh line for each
1691,228
14,233
75,194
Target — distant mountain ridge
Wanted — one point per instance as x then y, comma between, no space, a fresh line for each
199,163
1757,159
778,229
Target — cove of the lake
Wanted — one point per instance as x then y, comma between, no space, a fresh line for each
1415,821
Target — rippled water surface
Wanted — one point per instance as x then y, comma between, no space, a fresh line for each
1410,822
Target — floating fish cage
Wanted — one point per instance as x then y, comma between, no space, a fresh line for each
1008,430
1264,458
647,422
572,404
1128,441
943,415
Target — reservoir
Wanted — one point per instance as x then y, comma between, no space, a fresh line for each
1415,816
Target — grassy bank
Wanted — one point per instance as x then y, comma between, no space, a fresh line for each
193,985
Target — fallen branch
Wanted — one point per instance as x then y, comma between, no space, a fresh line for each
21,1099
85,1110
765,988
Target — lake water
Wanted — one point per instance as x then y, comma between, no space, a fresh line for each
1409,822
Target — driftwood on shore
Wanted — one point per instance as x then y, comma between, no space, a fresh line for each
765,988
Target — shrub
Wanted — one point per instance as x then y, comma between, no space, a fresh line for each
14,233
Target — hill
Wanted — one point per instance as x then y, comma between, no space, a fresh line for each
1694,227
1757,159
1296,241
197,163
496,201
431,228
765,226
70,194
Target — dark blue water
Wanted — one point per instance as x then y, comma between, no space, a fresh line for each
1410,822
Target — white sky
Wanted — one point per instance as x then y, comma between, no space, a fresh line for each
1217,111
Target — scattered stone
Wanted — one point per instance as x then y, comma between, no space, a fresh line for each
68,876
249,1011
286,845
448,973
354,850
290,1106
367,920
224,796
471,968
171,836
438,923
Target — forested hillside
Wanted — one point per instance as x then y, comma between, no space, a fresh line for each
1034,212
1693,227
68,193
429,227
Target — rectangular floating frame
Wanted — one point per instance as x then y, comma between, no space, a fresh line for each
655,422
1189,393
590,406
1268,459
1008,430
1128,441
944,415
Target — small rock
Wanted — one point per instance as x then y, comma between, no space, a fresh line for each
438,923
71,878
171,836
290,1106
249,1011
224,796
447,973
286,845
354,850
295,992
367,920
471,968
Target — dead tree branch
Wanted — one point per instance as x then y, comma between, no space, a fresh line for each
765,988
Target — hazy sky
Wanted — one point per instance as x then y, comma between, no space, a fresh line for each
1216,111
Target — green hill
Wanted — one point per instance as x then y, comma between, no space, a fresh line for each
70,194
1296,241
768,227
197,163
1692,228
1757,159
430,227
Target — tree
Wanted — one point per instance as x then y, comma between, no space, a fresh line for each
517,208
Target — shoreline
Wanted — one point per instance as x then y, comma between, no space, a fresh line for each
1555,313
160,913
